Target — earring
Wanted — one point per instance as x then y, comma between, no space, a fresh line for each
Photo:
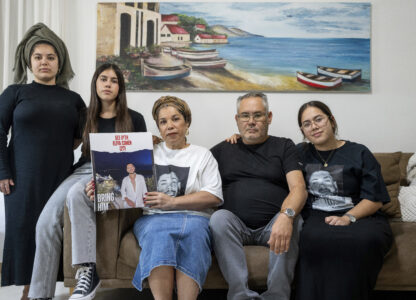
187,131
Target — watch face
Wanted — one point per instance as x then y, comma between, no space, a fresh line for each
290,212
352,218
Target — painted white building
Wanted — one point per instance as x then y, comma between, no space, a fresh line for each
174,33
200,27
124,24
170,19
203,38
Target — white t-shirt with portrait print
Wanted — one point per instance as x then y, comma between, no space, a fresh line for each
194,167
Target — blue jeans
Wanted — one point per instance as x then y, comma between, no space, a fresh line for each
180,240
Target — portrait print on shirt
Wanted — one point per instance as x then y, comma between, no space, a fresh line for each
325,185
171,180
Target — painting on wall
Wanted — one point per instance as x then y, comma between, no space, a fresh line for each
238,46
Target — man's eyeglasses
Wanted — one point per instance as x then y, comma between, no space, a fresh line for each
318,121
257,117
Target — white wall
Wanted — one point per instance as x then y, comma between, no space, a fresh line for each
381,119
384,119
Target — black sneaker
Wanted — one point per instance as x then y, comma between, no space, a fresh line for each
88,283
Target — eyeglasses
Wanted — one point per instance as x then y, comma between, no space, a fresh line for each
257,117
318,121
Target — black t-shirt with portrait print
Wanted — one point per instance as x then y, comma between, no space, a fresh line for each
254,177
352,174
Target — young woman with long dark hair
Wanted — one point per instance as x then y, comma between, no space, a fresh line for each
345,237
107,112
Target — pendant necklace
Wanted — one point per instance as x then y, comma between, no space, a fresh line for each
325,162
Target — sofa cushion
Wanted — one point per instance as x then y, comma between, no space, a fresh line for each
398,271
390,169
128,256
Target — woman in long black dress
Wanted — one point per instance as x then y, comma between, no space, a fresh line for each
344,237
44,120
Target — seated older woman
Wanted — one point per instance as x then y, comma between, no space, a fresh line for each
173,232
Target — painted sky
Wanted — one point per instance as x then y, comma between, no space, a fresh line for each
283,19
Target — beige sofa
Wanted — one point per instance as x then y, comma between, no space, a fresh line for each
118,251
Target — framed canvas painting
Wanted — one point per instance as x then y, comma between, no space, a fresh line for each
238,46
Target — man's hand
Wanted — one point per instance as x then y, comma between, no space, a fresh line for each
159,200
337,221
281,234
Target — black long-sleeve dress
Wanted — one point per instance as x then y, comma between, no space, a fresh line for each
44,122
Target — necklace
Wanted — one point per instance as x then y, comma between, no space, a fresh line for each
325,162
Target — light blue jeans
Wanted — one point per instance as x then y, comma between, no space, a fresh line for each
180,240
230,234
83,228
49,231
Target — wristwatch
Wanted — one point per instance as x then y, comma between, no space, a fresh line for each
290,212
351,217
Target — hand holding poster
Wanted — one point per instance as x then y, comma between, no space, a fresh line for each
122,169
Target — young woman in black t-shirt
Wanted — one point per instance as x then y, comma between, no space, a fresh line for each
344,237
107,112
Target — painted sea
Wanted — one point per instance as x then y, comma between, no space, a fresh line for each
284,56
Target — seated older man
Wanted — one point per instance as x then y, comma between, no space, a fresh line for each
264,191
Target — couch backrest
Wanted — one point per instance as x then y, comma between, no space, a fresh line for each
393,168
403,165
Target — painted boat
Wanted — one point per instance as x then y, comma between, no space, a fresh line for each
318,81
167,49
196,54
345,74
209,63
158,72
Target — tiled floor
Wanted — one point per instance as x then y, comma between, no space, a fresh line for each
62,293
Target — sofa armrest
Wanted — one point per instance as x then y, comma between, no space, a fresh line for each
111,226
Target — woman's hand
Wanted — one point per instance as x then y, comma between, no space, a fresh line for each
159,200
233,139
337,221
89,189
5,185
156,140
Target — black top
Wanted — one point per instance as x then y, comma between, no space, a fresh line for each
109,125
352,174
254,177
44,121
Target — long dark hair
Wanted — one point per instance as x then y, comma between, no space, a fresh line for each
324,108
123,119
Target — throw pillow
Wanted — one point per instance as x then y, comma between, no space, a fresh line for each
390,169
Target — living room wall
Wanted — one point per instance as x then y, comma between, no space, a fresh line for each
382,119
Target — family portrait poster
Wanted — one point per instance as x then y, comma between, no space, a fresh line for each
238,46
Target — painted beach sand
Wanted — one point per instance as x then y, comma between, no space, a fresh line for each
229,47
